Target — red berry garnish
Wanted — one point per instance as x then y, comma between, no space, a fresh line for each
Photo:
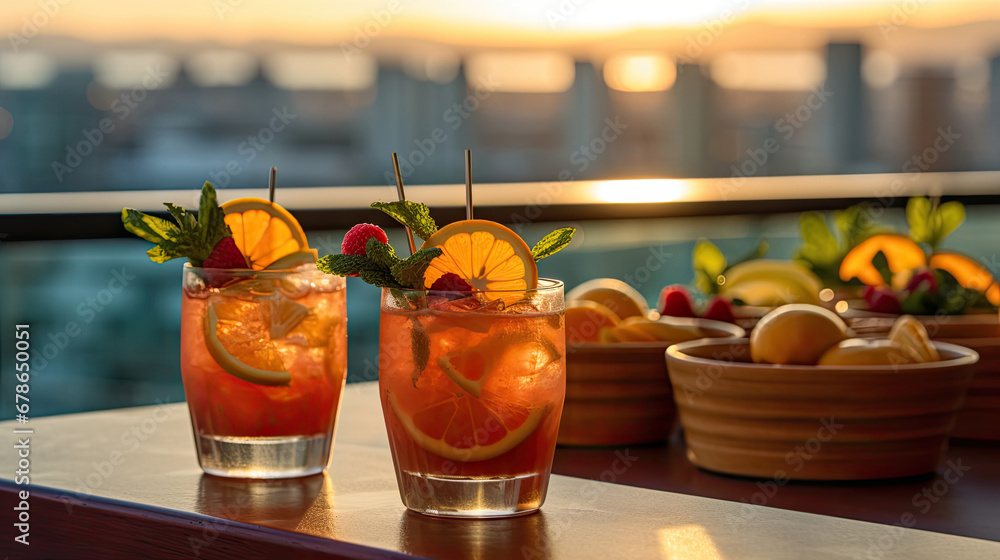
355,240
922,280
450,282
675,301
720,310
225,255
884,301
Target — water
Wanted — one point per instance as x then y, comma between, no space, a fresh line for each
264,457
470,497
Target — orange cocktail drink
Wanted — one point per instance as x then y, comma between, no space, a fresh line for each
292,322
263,335
472,389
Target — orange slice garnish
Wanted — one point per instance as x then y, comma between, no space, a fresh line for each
524,354
264,231
466,429
902,254
969,274
238,335
485,254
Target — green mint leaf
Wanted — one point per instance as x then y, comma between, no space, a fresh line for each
413,215
184,219
855,224
376,275
918,216
420,347
819,246
409,272
946,219
150,228
552,243
342,265
381,253
211,219
708,263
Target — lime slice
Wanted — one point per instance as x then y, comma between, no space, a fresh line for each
294,260
285,315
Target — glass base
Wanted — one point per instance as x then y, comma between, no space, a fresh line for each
469,497
263,457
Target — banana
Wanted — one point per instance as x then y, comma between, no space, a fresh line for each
771,282
770,293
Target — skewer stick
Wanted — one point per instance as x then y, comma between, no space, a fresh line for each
402,197
271,182
468,184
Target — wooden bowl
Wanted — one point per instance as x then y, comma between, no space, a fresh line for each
980,417
619,394
815,422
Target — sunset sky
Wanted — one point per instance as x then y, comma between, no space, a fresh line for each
509,22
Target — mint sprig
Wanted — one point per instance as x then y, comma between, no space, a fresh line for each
414,215
552,243
381,267
191,237
931,222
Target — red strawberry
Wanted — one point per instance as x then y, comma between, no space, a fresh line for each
355,240
720,309
675,301
450,282
225,255
922,279
884,301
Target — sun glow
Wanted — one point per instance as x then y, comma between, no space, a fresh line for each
640,190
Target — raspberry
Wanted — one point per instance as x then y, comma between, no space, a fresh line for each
450,282
720,309
355,240
883,301
675,301
920,280
225,255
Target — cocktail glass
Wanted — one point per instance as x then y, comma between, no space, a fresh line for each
241,331
472,388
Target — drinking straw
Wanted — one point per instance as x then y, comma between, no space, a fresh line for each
270,184
468,184
402,197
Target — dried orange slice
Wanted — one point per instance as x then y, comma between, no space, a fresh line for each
264,231
485,254
465,429
239,333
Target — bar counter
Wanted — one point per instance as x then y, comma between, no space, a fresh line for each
125,484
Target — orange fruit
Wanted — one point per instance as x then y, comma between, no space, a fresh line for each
264,231
584,320
797,333
239,332
863,352
902,254
523,354
623,300
969,274
466,429
485,254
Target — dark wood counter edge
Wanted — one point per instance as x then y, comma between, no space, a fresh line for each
66,525
43,227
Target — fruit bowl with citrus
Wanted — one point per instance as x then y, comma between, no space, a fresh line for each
471,360
805,398
263,336
617,388
884,274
